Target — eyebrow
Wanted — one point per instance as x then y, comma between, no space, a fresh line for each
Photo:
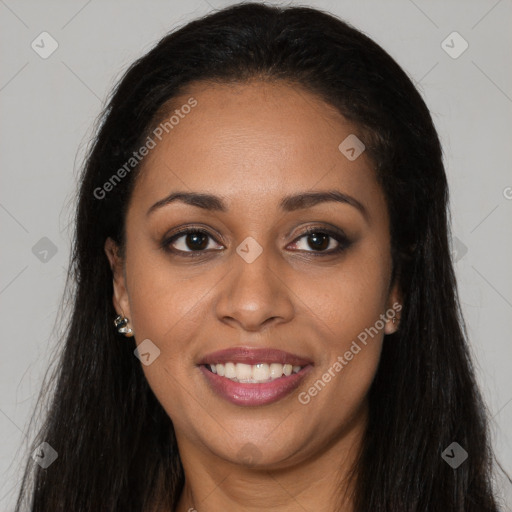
288,204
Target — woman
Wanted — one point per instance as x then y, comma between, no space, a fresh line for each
265,313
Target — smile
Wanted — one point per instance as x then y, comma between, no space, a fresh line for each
251,377
247,373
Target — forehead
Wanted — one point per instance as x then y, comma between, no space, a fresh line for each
254,142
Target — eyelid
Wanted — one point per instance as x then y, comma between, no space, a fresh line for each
336,234
180,232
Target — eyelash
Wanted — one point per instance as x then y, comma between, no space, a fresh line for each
342,240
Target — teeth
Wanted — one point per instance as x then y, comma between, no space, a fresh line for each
247,373
243,372
276,370
230,370
261,372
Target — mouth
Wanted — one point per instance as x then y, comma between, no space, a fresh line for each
253,374
252,377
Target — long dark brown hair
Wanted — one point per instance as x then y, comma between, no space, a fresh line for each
116,445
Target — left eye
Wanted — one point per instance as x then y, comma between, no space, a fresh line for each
321,241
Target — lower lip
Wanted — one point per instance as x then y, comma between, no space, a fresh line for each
252,394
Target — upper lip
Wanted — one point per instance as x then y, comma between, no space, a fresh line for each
253,356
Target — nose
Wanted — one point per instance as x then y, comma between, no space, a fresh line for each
255,295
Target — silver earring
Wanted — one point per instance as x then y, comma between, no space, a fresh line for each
121,323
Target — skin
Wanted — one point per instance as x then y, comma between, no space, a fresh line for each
252,144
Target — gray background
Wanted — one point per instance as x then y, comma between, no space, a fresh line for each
49,106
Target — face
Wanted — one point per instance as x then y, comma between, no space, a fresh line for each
248,289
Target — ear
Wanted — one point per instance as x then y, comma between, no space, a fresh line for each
120,298
394,307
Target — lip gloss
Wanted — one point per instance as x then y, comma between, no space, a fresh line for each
254,394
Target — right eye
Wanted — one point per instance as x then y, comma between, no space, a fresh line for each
195,240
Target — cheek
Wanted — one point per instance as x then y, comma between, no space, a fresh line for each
353,333
351,299
169,311
166,301
349,313
351,348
